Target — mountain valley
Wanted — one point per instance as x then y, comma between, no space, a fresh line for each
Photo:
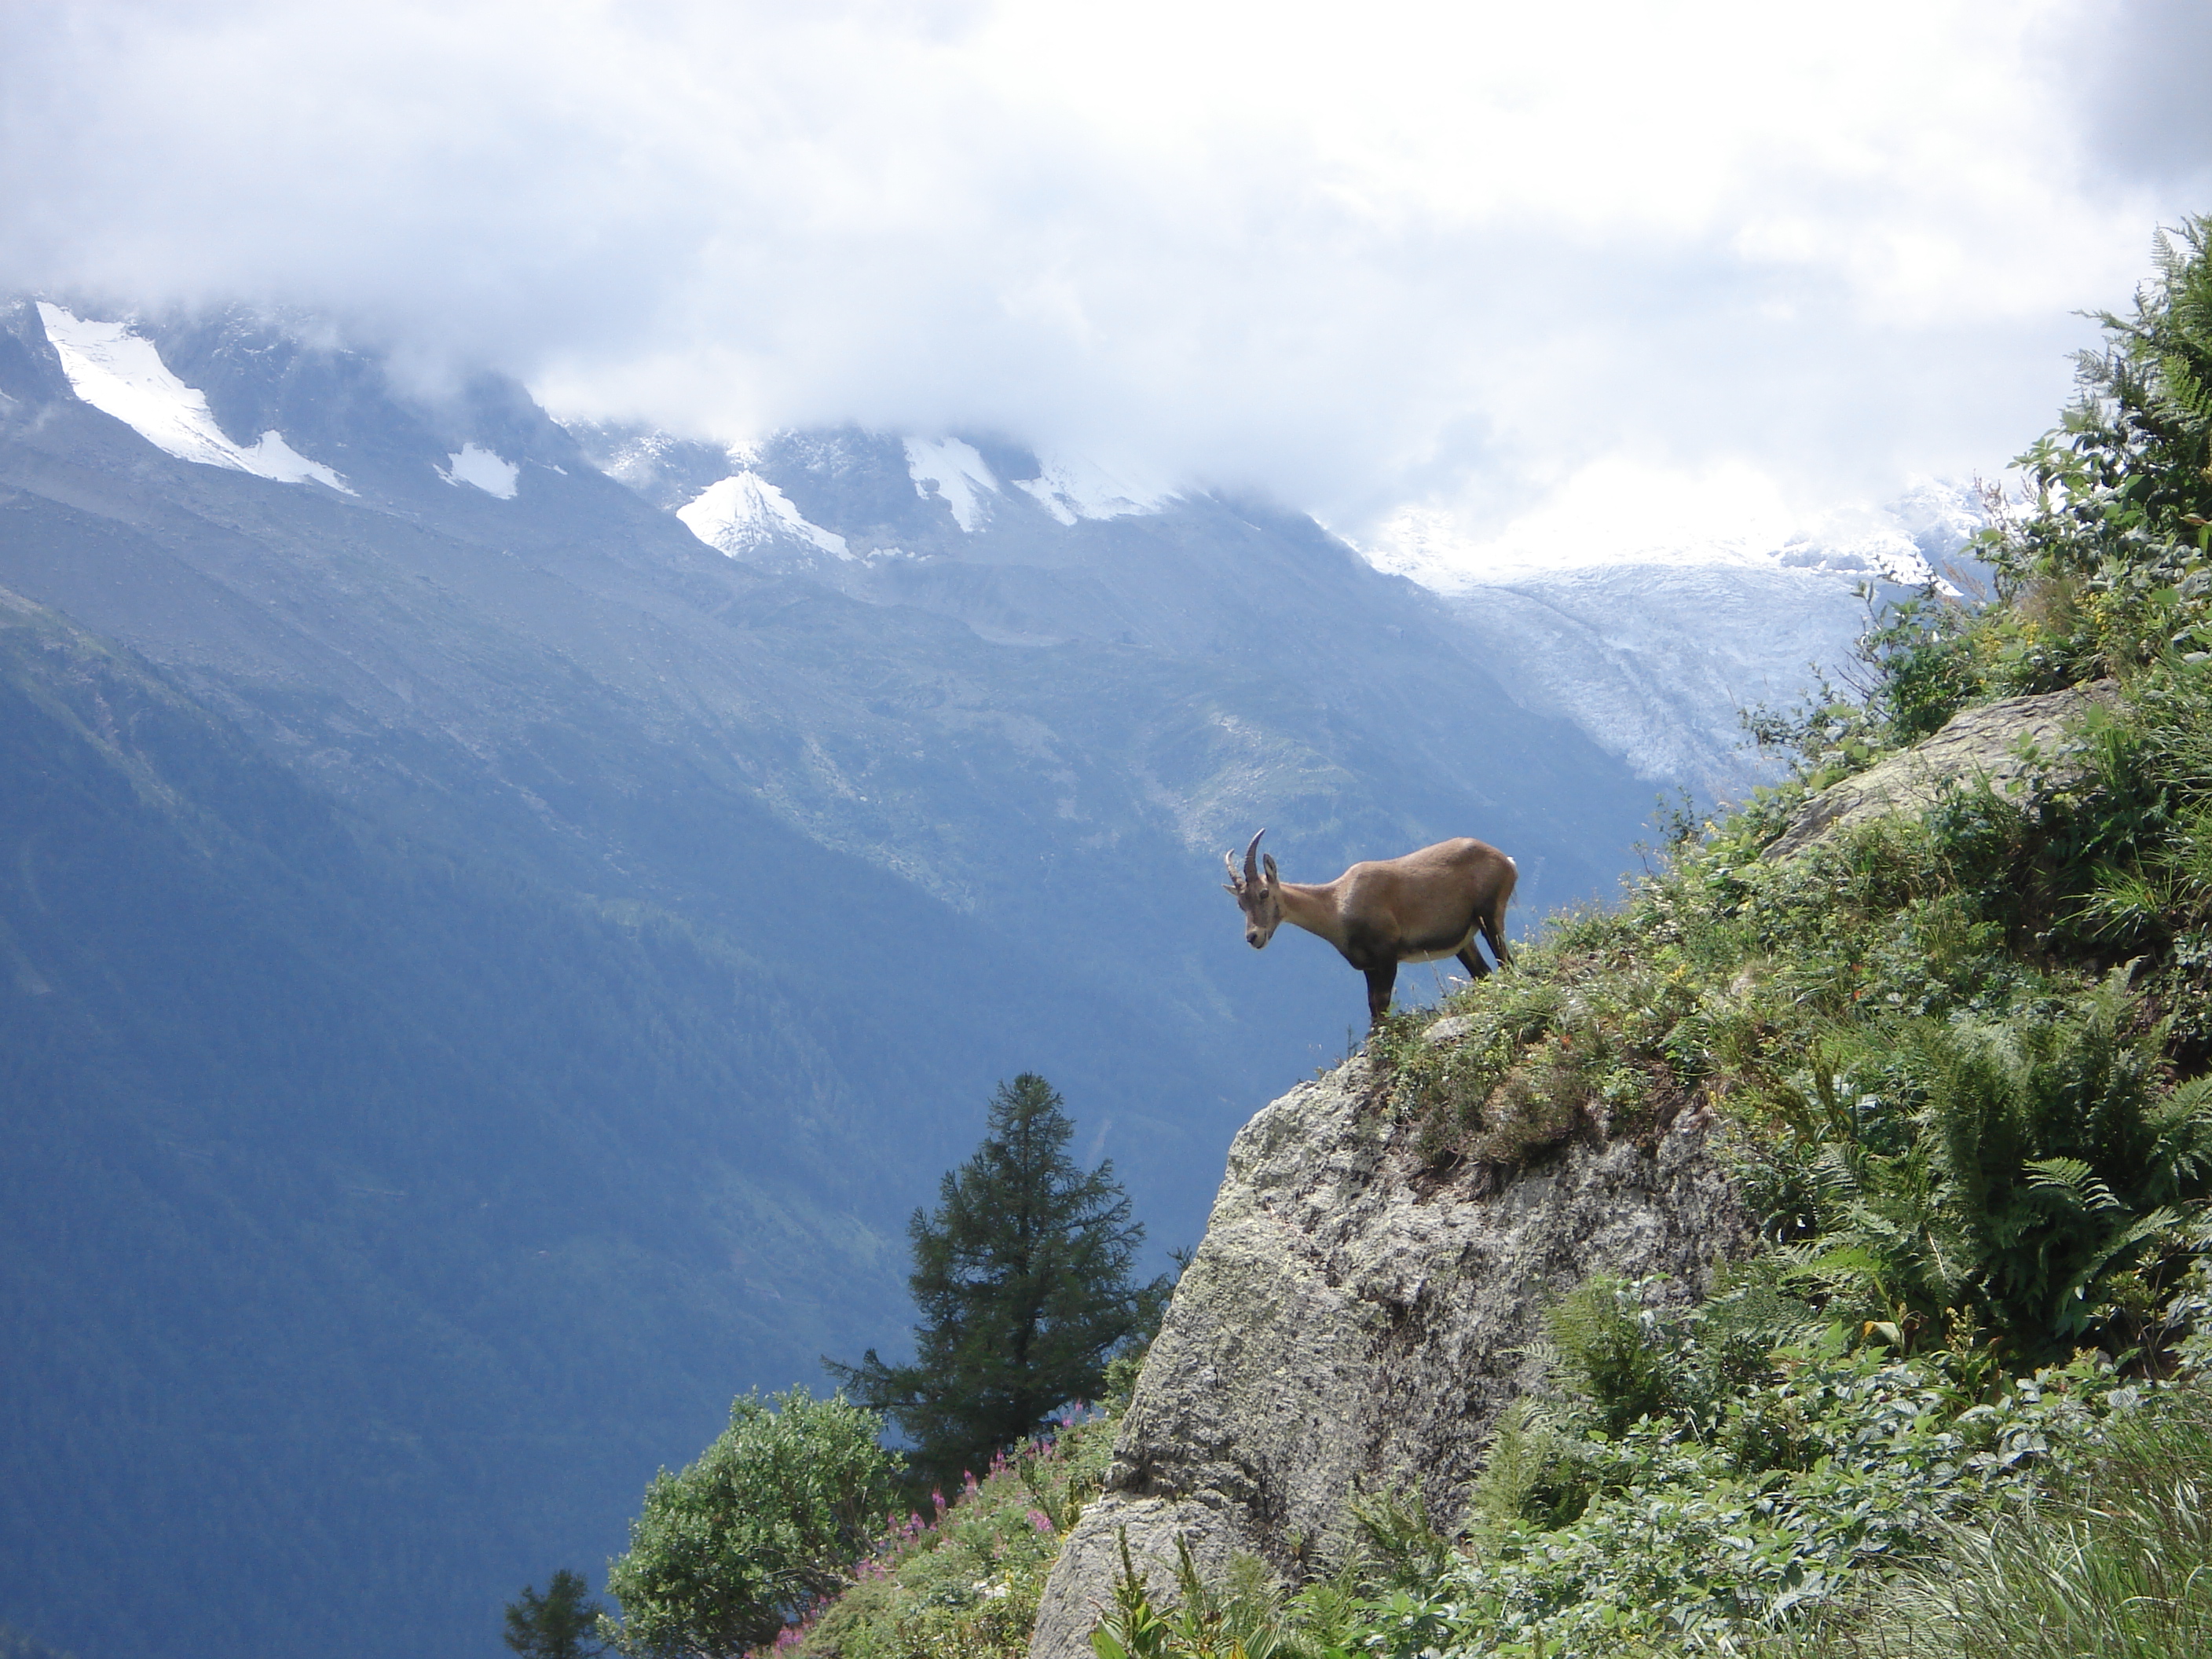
502,920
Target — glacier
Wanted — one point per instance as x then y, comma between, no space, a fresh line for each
1656,655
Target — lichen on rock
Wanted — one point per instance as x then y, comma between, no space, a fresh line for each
1353,1321
2016,745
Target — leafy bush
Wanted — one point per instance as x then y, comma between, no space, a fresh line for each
727,1552
1245,1617
2111,1561
2030,1173
1689,1540
1707,1528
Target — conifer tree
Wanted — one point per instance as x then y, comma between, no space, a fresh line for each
1021,1274
562,1624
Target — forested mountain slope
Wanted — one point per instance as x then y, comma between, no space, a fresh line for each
371,1219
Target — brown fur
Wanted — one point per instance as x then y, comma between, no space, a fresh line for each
1421,908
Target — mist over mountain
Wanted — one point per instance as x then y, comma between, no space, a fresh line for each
491,962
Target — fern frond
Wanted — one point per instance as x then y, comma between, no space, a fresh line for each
2073,1178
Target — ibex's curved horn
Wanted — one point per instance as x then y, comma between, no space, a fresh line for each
1229,863
1252,859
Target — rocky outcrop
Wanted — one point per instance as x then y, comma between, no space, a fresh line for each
2016,745
1353,1321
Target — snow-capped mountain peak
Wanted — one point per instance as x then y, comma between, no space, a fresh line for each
744,512
120,373
1915,540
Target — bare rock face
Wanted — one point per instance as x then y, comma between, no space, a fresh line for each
1350,1322
2016,745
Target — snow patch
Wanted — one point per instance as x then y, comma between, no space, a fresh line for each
1071,488
120,374
958,473
272,457
472,464
744,512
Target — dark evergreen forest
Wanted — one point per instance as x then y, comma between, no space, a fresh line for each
405,1163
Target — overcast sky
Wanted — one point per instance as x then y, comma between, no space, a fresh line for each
1465,277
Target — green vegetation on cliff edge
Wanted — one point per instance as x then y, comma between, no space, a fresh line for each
1958,1058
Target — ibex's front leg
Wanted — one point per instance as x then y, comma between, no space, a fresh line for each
1379,981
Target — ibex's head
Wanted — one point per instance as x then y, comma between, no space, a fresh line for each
1260,897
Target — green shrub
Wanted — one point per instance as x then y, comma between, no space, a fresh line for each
725,1553
1683,1534
2024,1173
1243,1617
2110,1561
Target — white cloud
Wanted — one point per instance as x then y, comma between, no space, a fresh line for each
1448,259
1605,512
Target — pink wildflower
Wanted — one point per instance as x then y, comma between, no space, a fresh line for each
1041,1520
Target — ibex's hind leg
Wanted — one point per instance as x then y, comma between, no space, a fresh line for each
1493,929
1471,959
1379,981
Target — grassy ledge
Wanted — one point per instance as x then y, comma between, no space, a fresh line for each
964,1579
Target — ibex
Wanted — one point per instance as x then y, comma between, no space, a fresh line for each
1421,908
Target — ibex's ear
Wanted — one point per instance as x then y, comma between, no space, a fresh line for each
1267,863
1230,887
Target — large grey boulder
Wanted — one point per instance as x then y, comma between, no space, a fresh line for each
2016,745
1353,1321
